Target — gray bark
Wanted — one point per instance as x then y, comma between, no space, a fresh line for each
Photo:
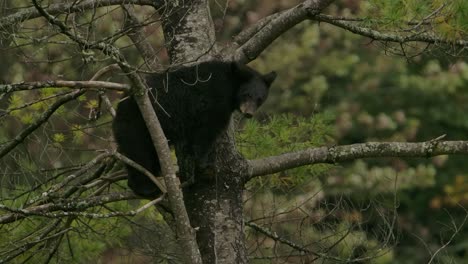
185,232
336,154
214,201
188,31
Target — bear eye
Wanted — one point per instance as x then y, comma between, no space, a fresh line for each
246,95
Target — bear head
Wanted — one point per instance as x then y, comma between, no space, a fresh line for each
253,88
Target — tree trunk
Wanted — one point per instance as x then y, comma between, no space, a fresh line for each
188,31
214,200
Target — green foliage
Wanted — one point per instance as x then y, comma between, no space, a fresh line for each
374,97
448,18
59,137
83,239
286,133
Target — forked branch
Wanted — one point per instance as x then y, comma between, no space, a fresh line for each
257,38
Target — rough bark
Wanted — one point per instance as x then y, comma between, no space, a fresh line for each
336,154
185,232
255,39
214,200
188,31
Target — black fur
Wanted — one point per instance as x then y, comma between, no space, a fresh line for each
197,105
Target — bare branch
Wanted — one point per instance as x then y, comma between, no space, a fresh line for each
175,196
26,86
102,94
65,205
38,122
28,245
184,230
138,37
67,213
107,69
74,175
267,30
302,249
280,239
248,33
28,104
399,38
60,8
141,169
256,38
456,231
335,154
47,114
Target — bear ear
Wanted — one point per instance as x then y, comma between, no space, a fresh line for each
269,78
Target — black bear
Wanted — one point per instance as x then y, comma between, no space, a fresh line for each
193,104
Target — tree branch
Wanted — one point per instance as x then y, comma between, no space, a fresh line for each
141,169
35,212
295,246
335,154
188,31
184,230
256,38
28,245
138,38
65,205
267,30
26,86
38,122
377,35
73,176
60,8
107,69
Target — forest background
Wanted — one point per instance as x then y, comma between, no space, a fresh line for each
334,88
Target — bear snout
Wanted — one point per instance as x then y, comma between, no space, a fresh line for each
248,108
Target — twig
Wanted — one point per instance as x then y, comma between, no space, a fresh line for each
141,169
38,122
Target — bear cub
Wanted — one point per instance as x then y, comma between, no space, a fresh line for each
194,104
